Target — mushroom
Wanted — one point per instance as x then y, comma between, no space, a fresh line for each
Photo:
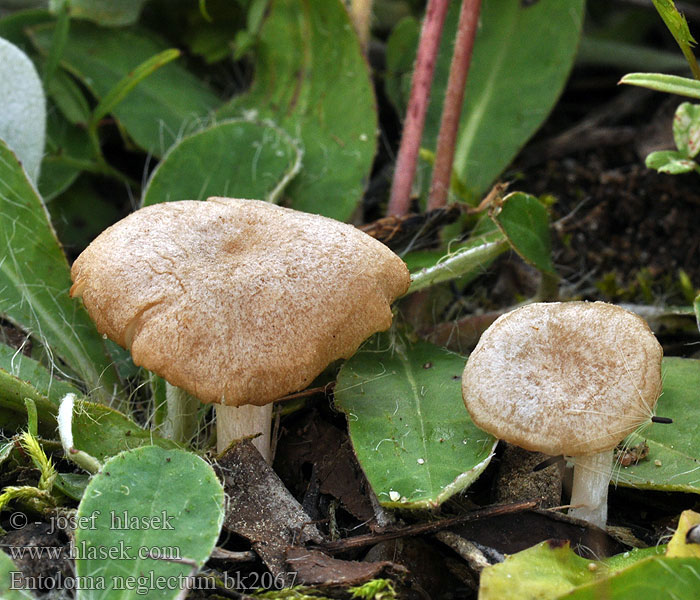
571,378
237,302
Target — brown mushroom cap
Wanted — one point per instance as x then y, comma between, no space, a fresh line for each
237,301
564,378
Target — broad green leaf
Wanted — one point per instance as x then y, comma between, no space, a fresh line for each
673,84
23,114
673,463
319,92
236,158
33,372
410,430
153,114
400,55
168,503
9,590
686,129
551,570
468,259
519,67
35,279
524,222
653,577
104,12
670,161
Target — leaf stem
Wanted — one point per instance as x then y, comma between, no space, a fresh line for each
452,108
426,59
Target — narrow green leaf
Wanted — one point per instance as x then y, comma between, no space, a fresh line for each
466,260
678,27
164,503
125,85
35,279
408,424
673,462
152,114
686,129
58,42
696,308
524,221
673,84
236,158
322,93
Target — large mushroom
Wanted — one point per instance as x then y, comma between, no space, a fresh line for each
237,302
570,378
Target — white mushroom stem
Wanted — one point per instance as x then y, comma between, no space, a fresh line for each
180,423
592,474
237,422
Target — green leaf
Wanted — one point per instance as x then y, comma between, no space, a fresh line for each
98,430
551,570
8,586
524,221
68,152
696,308
124,86
103,432
69,98
33,372
673,84
23,114
236,158
103,12
400,56
653,577
466,260
408,424
670,161
152,114
320,92
686,129
35,279
518,70
678,27
673,463
150,500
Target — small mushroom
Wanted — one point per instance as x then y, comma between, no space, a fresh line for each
570,378
237,302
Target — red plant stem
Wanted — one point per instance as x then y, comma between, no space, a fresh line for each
426,58
452,108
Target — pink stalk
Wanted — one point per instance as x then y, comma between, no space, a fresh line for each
452,108
417,106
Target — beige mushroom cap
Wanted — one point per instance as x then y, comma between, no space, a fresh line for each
567,378
237,301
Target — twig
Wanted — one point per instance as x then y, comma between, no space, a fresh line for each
452,108
359,541
426,58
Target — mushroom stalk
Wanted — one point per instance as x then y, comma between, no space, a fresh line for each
180,423
590,492
238,422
